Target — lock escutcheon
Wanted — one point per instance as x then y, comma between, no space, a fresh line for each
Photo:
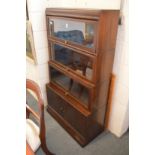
62,110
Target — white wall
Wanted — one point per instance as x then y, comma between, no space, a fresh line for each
39,72
119,117
99,4
118,123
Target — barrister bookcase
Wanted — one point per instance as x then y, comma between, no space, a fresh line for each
81,45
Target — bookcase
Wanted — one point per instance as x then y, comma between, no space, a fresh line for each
81,45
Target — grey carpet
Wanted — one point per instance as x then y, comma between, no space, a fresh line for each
61,143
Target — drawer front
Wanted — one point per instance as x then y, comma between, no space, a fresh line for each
71,115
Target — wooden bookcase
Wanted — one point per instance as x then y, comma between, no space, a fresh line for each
81,52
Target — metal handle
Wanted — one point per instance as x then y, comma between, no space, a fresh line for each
66,93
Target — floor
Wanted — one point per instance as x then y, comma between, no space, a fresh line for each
61,143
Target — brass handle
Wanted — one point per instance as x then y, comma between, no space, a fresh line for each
66,93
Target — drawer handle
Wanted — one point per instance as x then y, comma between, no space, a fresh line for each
66,93
66,41
62,110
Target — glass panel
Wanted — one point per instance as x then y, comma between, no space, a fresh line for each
76,89
80,63
75,31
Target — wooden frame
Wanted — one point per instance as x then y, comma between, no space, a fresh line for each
30,48
31,85
27,13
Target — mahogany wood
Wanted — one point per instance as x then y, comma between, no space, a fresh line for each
109,104
69,98
84,128
72,74
31,85
82,123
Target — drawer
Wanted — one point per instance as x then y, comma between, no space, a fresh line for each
63,108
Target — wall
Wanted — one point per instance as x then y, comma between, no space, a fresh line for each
118,122
39,72
119,116
100,4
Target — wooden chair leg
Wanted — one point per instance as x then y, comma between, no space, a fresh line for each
45,149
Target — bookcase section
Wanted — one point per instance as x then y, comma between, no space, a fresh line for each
81,53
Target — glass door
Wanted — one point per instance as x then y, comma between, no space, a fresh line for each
75,32
74,88
79,63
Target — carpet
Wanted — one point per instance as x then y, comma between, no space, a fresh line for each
61,143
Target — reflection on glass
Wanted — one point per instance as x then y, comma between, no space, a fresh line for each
76,89
75,31
75,61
